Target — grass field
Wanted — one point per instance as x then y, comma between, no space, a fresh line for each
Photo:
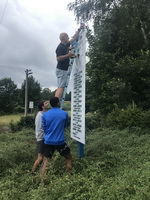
116,166
6,119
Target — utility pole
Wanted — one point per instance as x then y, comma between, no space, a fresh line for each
28,72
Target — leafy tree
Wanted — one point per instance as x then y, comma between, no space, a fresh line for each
46,94
118,67
8,95
34,90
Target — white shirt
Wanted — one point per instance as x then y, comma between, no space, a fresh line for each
39,132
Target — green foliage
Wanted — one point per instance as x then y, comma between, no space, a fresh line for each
135,73
92,121
4,128
128,118
115,166
47,94
19,109
25,122
18,151
34,90
67,105
8,95
6,119
119,52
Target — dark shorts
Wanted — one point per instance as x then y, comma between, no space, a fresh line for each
40,146
63,149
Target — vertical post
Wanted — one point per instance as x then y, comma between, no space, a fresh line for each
28,72
26,94
80,150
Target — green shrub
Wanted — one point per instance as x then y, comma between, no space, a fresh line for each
4,128
2,113
129,118
146,119
18,151
115,167
19,109
25,122
92,121
67,105
115,164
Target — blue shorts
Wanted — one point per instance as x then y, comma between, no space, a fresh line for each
61,78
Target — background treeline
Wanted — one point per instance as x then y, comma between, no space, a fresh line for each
12,99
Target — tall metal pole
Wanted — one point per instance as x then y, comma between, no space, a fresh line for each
26,91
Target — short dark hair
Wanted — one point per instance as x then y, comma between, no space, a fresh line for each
54,101
40,105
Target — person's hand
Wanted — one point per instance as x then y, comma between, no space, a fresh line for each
82,26
71,53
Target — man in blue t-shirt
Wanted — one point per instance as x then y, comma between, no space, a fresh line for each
63,56
54,122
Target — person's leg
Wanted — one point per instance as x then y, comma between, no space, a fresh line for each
37,162
40,151
64,151
43,170
59,93
48,152
61,82
68,162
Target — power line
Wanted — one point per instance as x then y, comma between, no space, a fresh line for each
40,73
23,68
10,67
3,11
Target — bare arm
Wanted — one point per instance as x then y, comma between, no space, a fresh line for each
75,36
77,33
63,57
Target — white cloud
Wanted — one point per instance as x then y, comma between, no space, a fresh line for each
29,36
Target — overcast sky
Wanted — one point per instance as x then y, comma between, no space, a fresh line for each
29,35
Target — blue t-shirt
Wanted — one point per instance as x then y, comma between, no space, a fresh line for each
54,122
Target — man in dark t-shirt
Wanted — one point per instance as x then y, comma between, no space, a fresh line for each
63,50
63,57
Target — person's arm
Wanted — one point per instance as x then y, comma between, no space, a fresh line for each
76,34
39,132
39,124
63,57
43,124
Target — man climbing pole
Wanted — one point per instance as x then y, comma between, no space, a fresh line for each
63,55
